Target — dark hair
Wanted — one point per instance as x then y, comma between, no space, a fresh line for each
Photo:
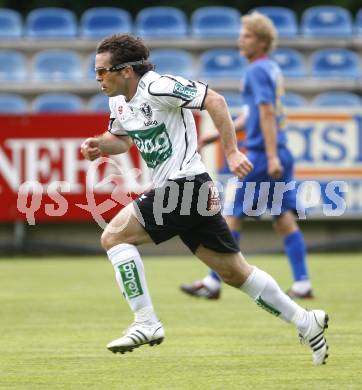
126,48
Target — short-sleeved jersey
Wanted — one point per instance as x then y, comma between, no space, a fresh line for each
263,83
159,121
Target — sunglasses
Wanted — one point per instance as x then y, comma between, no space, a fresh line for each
115,68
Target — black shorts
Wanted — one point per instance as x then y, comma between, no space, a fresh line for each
190,208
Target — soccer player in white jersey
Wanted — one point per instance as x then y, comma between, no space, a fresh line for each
153,111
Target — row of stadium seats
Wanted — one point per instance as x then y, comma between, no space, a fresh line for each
67,102
52,102
61,65
170,22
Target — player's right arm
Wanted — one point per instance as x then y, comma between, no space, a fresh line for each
107,143
113,141
216,106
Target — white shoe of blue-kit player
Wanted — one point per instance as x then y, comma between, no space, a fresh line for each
136,335
315,338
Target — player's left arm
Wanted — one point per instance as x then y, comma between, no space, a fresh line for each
216,106
264,95
269,129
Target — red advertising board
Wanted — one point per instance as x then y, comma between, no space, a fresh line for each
43,176
43,151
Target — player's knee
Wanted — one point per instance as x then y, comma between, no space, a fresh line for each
231,277
285,224
105,240
236,274
109,240
227,277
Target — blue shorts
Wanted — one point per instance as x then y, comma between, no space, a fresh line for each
258,192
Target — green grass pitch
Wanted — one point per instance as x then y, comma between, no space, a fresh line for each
57,315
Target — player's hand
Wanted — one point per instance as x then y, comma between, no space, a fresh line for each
239,164
90,149
275,168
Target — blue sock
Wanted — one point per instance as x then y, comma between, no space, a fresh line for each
295,249
236,235
215,276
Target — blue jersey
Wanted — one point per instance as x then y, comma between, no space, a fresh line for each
263,83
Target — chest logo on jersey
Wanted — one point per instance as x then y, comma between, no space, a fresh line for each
147,113
154,144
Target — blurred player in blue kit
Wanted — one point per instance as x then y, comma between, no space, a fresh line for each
264,121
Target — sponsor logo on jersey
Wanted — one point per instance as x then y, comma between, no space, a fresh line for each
142,85
184,92
131,279
154,144
120,110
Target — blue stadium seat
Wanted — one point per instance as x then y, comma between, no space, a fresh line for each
290,61
172,61
358,26
12,66
11,103
57,65
337,99
233,99
57,102
215,22
161,22
222,63
52,22
326,21
11,25
284,19
99,22
99,103
91,74
338,63
294,100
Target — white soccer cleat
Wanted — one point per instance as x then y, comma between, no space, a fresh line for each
136,335
314,336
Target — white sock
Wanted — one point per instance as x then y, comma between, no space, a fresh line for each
302,286
130,276
211,283
267,294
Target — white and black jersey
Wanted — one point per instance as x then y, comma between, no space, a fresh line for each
159,121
